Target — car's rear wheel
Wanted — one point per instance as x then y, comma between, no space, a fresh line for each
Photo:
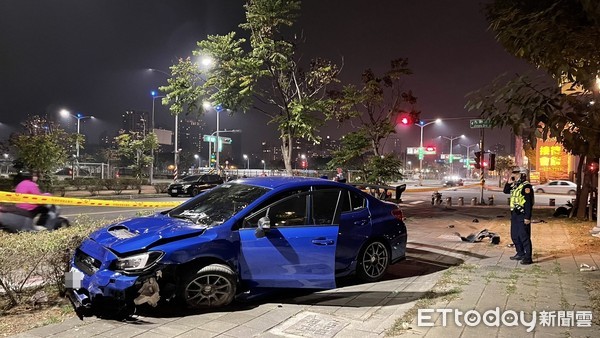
210,287
540,190
571,192
372,262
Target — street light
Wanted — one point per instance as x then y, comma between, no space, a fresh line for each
450,158
196,156
264,165
247,160
421,124
154,97
79,117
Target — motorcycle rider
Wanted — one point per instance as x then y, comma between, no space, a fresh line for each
28,185
521,207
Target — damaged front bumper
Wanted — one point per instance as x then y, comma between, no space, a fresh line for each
111,294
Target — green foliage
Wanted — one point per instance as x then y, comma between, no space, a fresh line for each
382,169
135,147
372,108
41,255
291,95
352,153
559,36
42,146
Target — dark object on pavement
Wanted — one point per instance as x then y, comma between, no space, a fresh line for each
472,238
450,226
475,220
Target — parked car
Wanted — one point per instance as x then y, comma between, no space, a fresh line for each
557,187
194,184
263,232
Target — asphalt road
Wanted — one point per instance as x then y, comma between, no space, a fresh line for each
409,197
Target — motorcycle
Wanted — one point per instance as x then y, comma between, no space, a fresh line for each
436,198
14,219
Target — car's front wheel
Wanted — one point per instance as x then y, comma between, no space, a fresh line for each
540,191
373,261
210,287
195,192
571,192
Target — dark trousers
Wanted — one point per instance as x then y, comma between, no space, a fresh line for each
520,234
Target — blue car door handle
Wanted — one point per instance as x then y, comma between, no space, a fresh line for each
361,222
323,241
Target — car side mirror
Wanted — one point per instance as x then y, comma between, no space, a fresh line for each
264,225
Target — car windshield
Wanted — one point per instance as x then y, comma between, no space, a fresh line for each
219,204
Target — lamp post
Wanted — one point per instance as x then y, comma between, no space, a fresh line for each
467,162
247,161
450,157
154,97
264,165
79,117
421,124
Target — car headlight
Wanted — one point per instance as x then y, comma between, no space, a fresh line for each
185,186
138,262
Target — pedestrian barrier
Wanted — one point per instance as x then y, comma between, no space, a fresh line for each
11,197
461,201
474,201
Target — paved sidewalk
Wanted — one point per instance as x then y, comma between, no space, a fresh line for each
488,280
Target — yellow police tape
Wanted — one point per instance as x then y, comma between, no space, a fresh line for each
11,197
442,188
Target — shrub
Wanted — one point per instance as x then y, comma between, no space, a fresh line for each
161,188
39,256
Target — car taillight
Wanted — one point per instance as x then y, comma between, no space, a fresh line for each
398,214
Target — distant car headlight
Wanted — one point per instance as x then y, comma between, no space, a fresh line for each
139,262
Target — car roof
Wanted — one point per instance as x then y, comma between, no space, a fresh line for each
273,182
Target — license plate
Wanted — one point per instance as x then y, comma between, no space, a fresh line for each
73,279
174,190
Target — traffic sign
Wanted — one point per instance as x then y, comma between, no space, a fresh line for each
424,151
213,138
480,123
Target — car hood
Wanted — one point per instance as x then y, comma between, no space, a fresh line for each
141,233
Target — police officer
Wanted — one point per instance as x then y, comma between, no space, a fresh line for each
521,206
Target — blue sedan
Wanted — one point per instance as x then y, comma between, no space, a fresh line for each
268,232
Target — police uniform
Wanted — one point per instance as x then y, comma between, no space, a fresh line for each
521,206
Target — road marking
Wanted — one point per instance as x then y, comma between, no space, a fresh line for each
416,202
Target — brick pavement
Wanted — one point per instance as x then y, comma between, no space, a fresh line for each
488,279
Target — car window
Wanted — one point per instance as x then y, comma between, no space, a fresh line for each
357,202
553,183
190,178
327,205
290,211
219,204
564,183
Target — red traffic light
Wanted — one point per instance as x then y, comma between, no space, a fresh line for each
404,119
430,148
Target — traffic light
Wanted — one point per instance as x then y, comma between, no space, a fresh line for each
492,162
593,167
477,160
405,119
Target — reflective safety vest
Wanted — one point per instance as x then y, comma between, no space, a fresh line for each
516,196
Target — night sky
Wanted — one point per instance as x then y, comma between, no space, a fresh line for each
91,57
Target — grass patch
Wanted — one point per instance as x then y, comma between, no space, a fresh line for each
593,287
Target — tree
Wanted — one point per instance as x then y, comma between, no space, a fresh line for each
560,37
42,146
135,147
373,108
267,78
504,164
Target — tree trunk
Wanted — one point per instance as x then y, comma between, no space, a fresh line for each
578,195
583,196
286,152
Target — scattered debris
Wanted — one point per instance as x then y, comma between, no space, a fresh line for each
539,221
475,220
584,267
510,245
451,226
472,238
499,216
596,234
